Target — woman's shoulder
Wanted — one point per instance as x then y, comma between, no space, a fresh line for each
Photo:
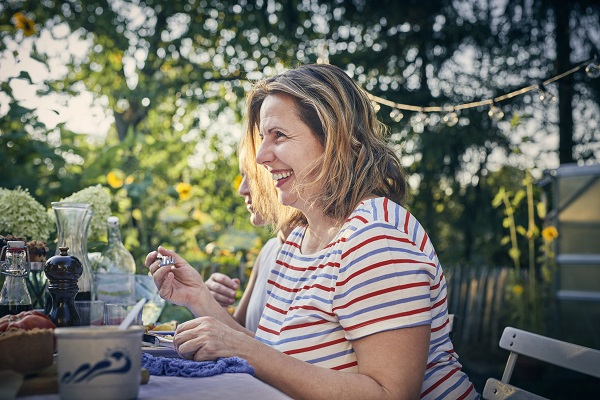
379,210
381,216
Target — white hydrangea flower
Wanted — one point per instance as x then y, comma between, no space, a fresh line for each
23,216
98,197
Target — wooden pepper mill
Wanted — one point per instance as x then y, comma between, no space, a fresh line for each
63,272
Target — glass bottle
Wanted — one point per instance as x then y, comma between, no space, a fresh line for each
115,268
63,272
73,222
14,296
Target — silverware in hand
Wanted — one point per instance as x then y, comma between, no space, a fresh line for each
166,261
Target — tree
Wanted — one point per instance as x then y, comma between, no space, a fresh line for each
167,71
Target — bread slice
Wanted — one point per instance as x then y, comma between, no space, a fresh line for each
26,351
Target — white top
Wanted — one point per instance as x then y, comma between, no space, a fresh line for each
265,261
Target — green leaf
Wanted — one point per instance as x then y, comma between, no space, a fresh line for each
514,253
498,198
18,111
519,195
521,230
25,75
541,209
505,240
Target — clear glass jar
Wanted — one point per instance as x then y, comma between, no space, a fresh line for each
115,268
14,295
73,222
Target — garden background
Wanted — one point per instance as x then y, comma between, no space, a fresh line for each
165,82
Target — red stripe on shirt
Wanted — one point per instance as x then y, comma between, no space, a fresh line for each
373,239
465,394
381,264
278,310
315,347
439,382
306,287
313,308
271,331
345,366
424,241
384,318
439,303
379,292
311,268
297,326
360,218
293,244
441,326
406,218
385,210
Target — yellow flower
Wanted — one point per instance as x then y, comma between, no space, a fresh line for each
22,22
518,290
549,233
137,214
113,180
184,190
237,182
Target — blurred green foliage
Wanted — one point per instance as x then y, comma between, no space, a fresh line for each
172,77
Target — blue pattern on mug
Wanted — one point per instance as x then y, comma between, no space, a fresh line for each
116,363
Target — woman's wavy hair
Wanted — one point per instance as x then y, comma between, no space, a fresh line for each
357,161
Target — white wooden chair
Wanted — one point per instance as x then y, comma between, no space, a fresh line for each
564,354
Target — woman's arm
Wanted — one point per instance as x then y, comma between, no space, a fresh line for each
181,284
391,364
242,308
222,288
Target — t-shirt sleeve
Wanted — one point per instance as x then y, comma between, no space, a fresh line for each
383,282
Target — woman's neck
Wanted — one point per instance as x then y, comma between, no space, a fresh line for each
319,233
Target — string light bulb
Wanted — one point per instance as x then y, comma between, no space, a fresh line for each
593,70
495,113
419,120
450,119
422,118
396,115
545,96
376,106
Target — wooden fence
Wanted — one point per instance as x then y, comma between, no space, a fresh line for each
475,297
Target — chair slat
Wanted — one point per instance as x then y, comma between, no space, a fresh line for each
567,355
496,390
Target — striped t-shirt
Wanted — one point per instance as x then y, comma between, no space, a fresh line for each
379,273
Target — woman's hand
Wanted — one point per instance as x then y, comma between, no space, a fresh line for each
206,338
223,288
179,283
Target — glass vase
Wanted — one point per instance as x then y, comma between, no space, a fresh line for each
73,222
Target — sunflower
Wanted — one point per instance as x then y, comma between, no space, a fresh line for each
549,233
22,22
184,190
113,180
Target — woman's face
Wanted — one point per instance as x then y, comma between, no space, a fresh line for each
244,191
289,147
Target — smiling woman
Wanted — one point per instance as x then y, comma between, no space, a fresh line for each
356,300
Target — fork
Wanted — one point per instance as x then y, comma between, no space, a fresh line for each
166,260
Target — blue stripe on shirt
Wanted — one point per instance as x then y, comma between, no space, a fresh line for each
383,305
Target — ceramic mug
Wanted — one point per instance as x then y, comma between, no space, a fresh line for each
99,362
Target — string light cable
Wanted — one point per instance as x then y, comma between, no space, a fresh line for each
592,69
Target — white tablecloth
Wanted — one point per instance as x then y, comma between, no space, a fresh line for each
218,387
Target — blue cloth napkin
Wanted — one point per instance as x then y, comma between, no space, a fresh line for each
179,367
